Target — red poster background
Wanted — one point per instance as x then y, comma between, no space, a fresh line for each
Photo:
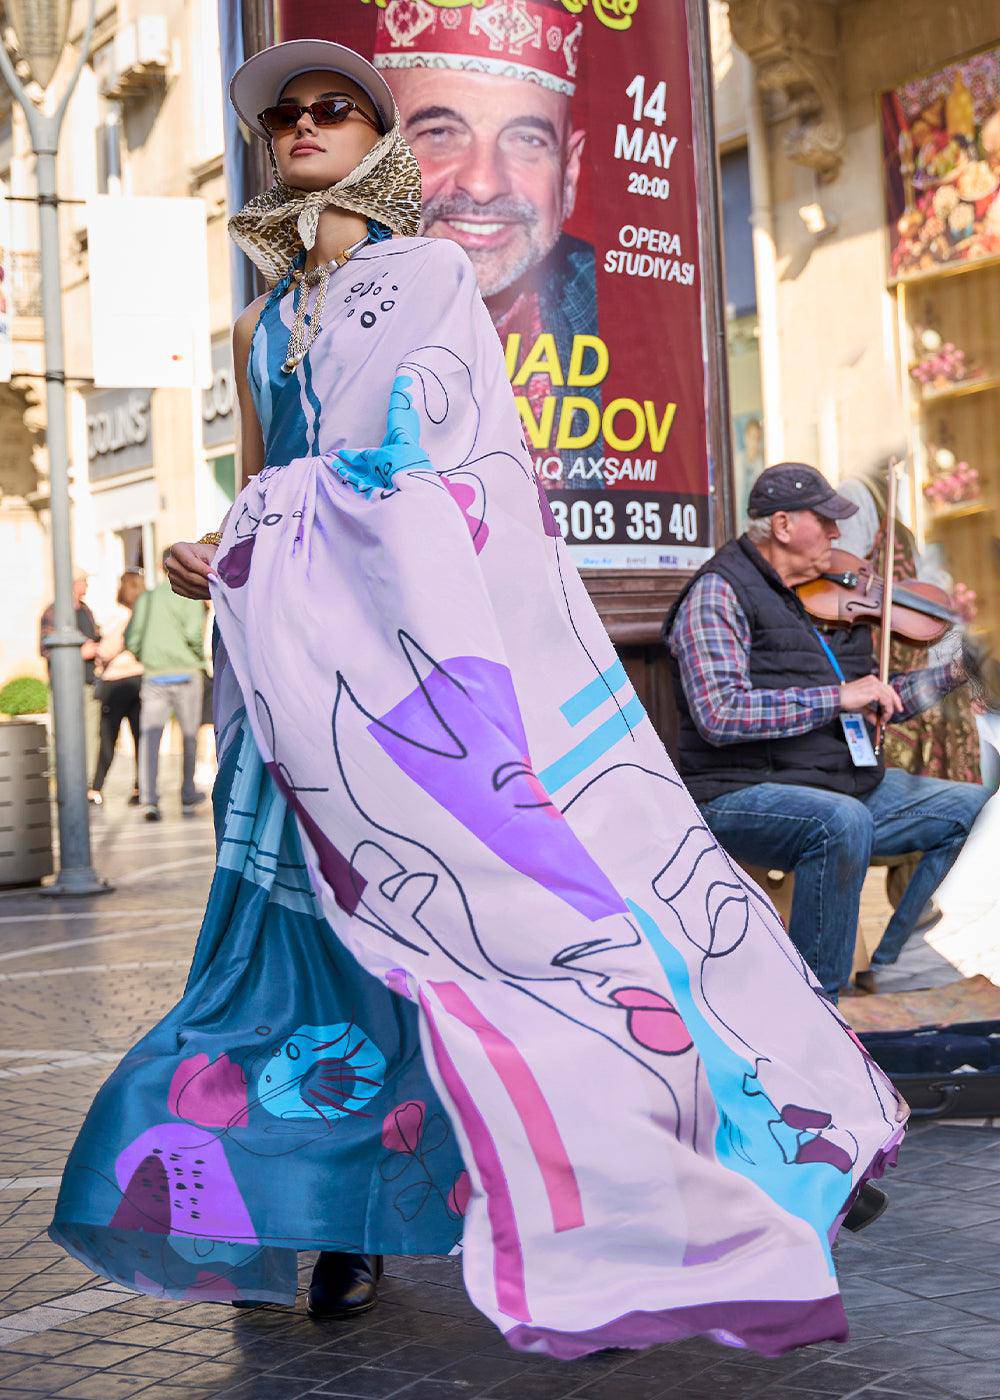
652,326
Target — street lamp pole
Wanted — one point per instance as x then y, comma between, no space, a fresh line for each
76,874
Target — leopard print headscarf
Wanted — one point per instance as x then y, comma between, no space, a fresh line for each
274,227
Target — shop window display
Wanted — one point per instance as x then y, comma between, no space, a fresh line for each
941,163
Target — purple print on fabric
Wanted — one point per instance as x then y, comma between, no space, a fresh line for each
212,1094
145,1202
548,519
820,1149
770,1326
801,1118
460,1194
203,1199
654,1021
347,885
397,980
695,1254
464,496
460,736
234,567
403,1125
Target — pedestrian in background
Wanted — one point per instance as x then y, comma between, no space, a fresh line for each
118,687
166,635
87,624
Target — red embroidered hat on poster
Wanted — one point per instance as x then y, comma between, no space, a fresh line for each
531,40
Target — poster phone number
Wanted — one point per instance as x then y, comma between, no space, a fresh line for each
633,518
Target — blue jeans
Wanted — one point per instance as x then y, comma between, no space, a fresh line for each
828,840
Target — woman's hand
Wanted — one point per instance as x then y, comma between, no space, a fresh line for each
188,567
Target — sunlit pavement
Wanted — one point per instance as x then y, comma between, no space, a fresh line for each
966,941
81,980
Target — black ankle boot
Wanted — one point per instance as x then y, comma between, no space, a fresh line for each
870,1204
344,1285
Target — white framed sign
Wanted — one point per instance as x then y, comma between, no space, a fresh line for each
149,292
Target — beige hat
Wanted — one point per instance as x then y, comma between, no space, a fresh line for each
259,82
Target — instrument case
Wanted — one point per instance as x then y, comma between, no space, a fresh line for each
942,1071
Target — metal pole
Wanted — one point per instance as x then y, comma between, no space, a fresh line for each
706,156
76,874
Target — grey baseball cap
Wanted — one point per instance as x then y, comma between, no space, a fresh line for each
794,486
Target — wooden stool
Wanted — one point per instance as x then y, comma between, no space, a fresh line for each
891,864
779,886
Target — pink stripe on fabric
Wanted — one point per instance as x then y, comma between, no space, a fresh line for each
532,1107
508,1258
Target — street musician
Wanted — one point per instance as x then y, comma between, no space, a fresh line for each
778,741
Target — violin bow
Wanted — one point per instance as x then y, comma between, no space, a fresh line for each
885,640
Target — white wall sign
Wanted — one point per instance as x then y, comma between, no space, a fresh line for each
149,292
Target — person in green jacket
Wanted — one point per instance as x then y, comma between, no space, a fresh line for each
167,634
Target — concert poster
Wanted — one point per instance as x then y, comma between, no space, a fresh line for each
555,143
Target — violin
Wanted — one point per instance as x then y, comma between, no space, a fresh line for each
851,592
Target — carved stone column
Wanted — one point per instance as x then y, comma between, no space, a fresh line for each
23,460
793,45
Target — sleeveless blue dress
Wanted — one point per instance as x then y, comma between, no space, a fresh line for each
286,1092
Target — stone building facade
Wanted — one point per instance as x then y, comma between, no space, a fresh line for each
148,466
798,87
818,335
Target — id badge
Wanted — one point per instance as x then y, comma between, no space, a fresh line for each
859,741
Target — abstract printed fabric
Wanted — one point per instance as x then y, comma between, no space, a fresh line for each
282,1105
661,1119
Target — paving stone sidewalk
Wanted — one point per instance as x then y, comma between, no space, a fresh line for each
81,980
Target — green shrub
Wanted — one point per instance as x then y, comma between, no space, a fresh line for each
24,696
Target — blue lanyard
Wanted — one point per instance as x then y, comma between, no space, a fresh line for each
838,669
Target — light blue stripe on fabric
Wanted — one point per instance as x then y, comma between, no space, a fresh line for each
604,737
594,694
312,399
745,1140
262,379
253,840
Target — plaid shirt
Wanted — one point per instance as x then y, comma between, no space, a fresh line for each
711,640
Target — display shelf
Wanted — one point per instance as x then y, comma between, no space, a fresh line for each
961,389
965,418
927,275
960,512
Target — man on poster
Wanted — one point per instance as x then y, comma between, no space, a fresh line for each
485,100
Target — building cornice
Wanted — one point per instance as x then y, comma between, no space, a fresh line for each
794,48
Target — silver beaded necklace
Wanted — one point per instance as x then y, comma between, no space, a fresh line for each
304,335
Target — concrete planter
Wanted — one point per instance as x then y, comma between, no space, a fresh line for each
25,813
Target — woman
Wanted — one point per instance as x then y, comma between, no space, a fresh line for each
119,686
472,968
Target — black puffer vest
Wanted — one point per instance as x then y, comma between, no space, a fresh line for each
784,652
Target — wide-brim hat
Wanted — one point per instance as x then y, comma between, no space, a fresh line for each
259,82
